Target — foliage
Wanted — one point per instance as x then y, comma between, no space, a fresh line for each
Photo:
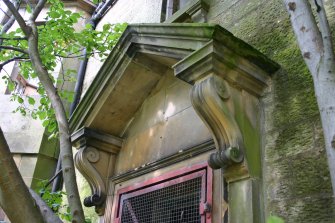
55,201
275,219
59,38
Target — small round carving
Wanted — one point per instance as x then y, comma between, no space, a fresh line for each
92,154
222,88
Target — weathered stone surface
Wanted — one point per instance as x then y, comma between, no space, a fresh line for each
28,138
161,125
294,172
293,166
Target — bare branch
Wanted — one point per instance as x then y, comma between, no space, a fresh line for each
47,213
38,9
5,12
325,30
77,56
11,60
18,17
307,32
10,21
14,49
53,178
14,38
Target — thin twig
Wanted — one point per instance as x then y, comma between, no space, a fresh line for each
37,9
53,178
18,17
14,38
14,49
10,21
11,60
5,12
77,56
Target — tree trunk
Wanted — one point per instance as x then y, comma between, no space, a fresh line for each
15,198
30,30
64,133
317,50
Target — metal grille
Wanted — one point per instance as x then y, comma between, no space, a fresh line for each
177,203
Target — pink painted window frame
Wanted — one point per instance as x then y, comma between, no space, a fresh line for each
168,179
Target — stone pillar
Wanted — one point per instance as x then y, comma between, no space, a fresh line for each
95,160
225,95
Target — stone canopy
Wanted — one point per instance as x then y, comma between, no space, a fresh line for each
222,70
116,92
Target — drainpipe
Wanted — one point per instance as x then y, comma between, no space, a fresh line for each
94,20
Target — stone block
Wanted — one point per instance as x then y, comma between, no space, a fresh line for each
27,166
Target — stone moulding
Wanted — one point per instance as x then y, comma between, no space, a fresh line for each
175,41
95,152
194,11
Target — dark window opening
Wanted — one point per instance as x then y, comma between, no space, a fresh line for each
177,198
169,7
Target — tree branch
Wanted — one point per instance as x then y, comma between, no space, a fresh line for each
10,21
18,17
11,60
47,213
14,192
8,16
38,9
307,32
325,30
63,127
14,38
77,56
14,49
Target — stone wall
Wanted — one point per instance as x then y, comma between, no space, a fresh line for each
296,176
160,126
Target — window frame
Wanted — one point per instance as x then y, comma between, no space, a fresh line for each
168,179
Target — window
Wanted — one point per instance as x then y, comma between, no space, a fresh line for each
183,196
169,7
22,86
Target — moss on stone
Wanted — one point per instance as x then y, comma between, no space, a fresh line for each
296,175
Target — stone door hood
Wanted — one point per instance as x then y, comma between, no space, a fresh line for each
142,55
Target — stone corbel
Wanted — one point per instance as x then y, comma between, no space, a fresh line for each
95,161
214,71
210,98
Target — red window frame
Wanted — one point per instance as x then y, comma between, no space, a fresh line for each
171,178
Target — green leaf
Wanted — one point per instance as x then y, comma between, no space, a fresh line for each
31,100
52,126
54,14
43,101
11,85
19,99
28,8
42,115
45,123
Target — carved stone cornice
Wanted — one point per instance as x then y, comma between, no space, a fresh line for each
95,155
